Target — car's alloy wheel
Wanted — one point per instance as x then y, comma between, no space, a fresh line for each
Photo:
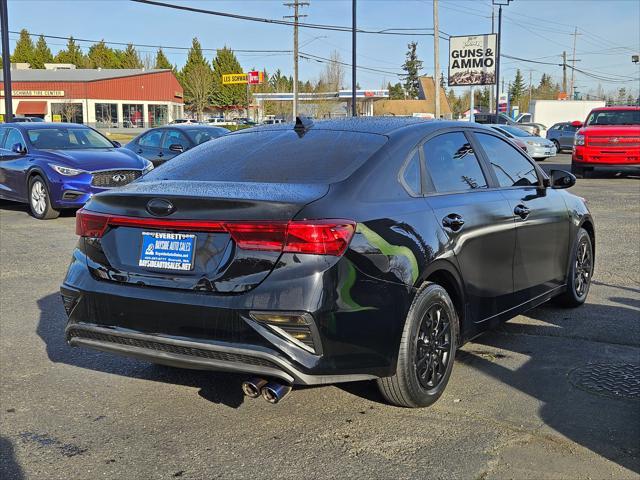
427,350
433,345
39,200
557,144
580,272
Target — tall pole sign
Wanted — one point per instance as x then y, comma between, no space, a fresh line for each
6,61
472,61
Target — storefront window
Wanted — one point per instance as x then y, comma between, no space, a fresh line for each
67,112
132,116
158,115
106,115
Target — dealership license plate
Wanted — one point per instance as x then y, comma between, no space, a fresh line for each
170,251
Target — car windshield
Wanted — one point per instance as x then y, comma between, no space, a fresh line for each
515,131
66,138
614,117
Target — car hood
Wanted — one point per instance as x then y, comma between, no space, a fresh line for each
610,130
94,159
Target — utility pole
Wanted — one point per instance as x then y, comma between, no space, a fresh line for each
564,72
491,88
6,61
354,107
436,57
573,60
500,3
296,17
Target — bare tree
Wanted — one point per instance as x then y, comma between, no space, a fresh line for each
333,74
197,84
68,110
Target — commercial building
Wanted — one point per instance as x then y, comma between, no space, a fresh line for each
104,98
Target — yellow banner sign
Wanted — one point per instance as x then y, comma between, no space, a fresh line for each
234,78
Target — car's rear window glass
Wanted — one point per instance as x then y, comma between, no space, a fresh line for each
274,156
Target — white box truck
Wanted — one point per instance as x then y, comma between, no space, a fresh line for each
550,112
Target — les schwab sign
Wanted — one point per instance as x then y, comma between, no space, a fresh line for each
472,60
252,78
35,93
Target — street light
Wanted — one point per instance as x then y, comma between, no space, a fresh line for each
500,4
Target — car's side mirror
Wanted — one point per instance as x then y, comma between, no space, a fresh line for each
561,179
577,124
116,144
176,147
19,148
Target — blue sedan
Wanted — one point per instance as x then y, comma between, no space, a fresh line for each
52,166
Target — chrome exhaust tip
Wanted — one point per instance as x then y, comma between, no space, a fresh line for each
252,387
274,392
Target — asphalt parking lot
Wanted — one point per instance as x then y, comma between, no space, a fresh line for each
552,394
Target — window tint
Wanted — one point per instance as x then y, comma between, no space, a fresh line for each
275,156
411,174
13,137
452,163
173,137
151,139
509,165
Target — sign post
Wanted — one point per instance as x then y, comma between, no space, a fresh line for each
472,61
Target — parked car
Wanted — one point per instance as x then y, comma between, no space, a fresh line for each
52,166
244,121
610,138
335,251
179,121
562,134
537,147
26,119
219,121
273,121
503,119
163,143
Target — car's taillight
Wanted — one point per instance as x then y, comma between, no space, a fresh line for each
318,237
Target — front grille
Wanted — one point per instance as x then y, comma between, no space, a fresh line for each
615,141
170,348
114,178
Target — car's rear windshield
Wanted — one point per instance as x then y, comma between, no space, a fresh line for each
66,138
274,156
614,117
201,135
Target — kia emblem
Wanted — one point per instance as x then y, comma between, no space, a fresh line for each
160,207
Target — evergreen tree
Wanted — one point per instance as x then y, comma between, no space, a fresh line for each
129,58
101,56
41,54
226,62
196,80
412,66
395,91
162,62
72,54
24,51
517,88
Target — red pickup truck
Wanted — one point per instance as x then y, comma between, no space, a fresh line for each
610,138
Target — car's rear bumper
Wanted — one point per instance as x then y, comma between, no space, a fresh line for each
202,330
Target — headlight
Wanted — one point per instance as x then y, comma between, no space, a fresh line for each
147,169
533,143
578,140
66,171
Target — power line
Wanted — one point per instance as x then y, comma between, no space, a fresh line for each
317,26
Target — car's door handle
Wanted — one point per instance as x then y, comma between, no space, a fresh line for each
161,154
139,150
453,221
522,211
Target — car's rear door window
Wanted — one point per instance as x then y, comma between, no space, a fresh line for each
511,167
411,174
151,139
452,164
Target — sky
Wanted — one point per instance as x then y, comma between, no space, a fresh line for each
540,30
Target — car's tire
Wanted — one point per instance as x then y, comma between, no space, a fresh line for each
427,350
557,144
580,272
540,159
40,200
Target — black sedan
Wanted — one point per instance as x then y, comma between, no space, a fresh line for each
368,248
164,143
